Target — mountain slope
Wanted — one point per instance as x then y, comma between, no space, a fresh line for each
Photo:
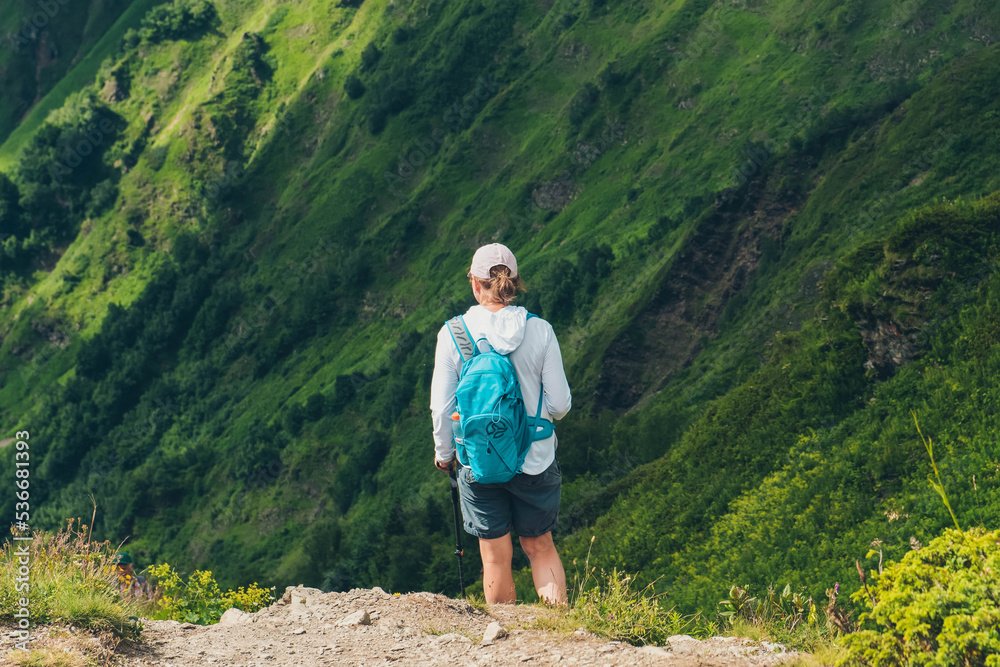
223,326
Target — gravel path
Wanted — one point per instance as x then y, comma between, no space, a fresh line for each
369,627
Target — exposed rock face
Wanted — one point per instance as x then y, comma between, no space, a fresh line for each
717,262
887,344
112,92
554,195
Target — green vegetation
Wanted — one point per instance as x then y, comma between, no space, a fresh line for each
789,618
765,234
610,605
71,581
176,19
936,606
198,599
48,64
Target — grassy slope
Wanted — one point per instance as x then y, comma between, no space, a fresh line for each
81,36
698,84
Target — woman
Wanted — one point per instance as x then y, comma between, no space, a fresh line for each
529,503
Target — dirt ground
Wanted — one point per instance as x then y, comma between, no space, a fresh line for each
371,627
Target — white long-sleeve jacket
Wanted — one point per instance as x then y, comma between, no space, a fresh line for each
534,351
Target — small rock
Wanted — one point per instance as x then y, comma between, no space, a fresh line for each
380,593
359,617
451,637
657,651
188,626
494,631
300,591
234,616
299,631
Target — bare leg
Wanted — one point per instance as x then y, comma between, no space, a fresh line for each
546,568
498,582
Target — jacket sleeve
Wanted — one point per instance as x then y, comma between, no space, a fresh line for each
558,400
443,384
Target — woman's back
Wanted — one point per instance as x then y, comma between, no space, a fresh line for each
533,350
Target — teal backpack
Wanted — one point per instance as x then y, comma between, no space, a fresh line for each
492,435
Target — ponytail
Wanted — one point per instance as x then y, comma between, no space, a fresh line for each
501,288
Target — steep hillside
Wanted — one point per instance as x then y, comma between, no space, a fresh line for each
763,232
53,46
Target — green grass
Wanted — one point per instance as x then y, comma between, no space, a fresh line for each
48,658
72,582
616,606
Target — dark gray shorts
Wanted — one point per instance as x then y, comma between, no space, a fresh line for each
528,503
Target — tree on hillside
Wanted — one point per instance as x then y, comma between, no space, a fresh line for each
11,224
10,208
178,19
64,159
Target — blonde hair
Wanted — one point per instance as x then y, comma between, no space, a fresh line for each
500,288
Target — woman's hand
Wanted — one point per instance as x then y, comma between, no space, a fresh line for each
444,466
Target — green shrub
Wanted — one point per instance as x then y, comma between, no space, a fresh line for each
583,103
130,40
353,87
937,606
10,209
370,56
610,76
401,35
101,198
199,598
181,18
157,156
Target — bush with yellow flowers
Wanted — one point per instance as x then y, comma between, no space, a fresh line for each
198,599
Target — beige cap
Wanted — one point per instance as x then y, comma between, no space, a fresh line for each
494,254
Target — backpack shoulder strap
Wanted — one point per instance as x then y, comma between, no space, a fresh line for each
541,428
461,337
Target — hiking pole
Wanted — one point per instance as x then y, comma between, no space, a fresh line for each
458,527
